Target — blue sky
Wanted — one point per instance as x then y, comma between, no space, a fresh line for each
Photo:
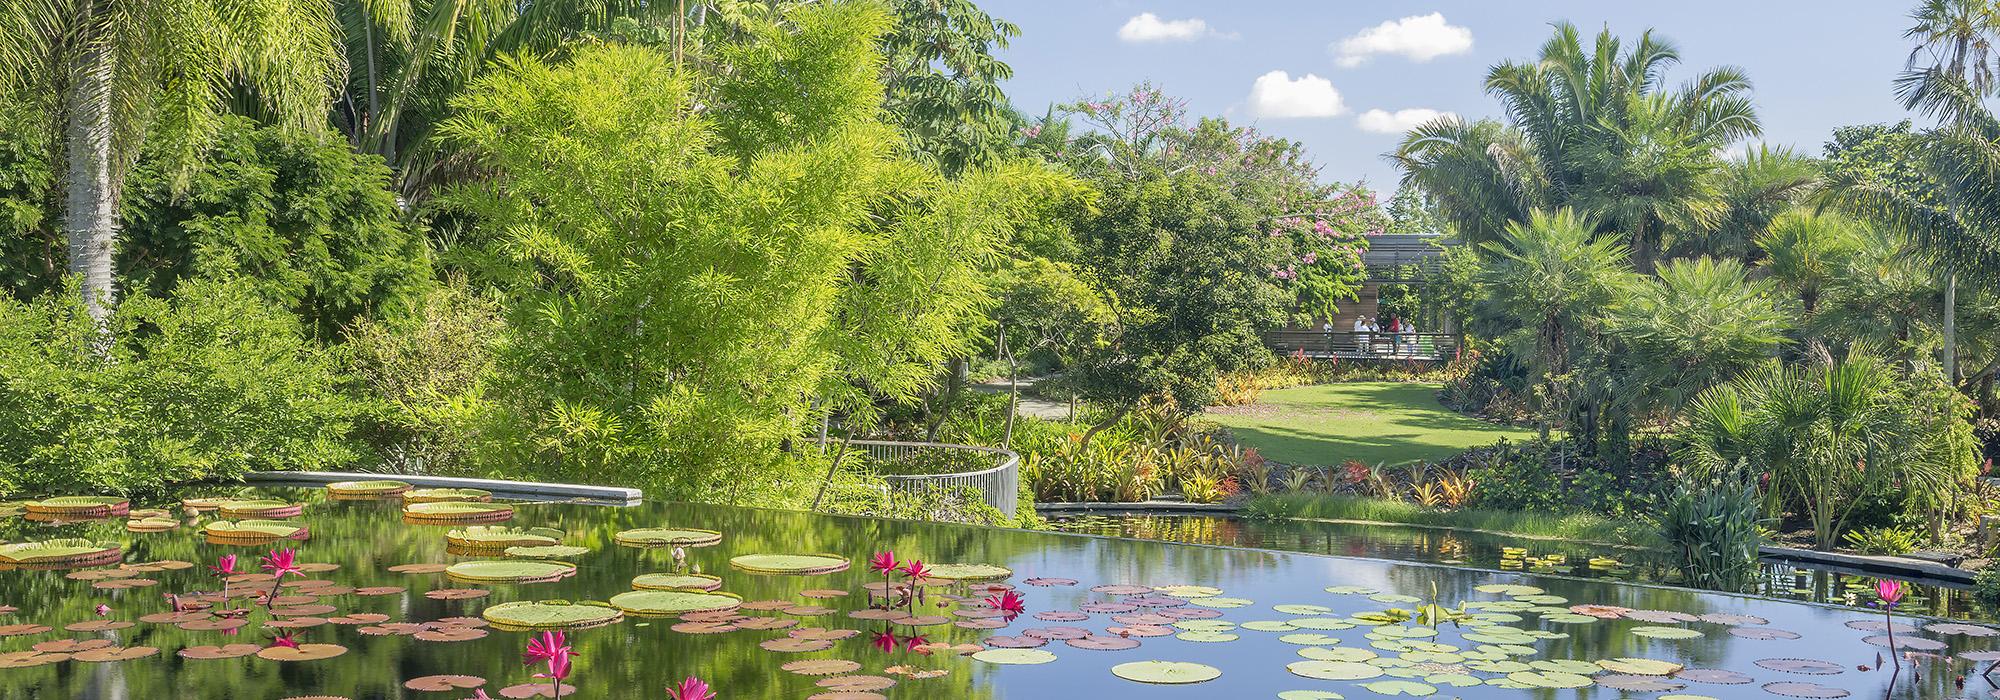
1815,65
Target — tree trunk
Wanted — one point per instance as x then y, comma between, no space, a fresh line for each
1949,353
1099,427
90,218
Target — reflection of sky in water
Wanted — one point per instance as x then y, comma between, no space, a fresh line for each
1478,550
638,658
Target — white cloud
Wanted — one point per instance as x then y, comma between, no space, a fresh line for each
1397,122
1419,38
1148,27
1276,95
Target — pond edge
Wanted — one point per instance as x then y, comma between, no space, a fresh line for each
613,495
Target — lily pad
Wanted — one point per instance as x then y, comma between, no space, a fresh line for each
674,602
1334,670
1166,672
1411,688
493,538
456,512
548,551
1666,632
790,564
79,506
60,554
1310,695
1549,679
667,537
377,488
260,509
509,571
1015,657
550,615
446,495
970,572
1640,667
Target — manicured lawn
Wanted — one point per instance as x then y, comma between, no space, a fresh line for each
1375,422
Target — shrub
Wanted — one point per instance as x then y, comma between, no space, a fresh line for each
1986,586
206,386
1882,540
425,371
1714,531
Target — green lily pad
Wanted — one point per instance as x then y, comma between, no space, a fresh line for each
1507,589
87,506
1334,670
509,570
1207,636
1350,590
456,512
368,489
1640,667
1455,680
1582,668
446,495
970,572
1015,657
60,553
1349,654
671,582
1189,591
674,602
1666,632
498,537
1310,695
1309,638
1268,626
1549,679
550,615
547,551
667,537
1411,688
252,532
1220,602
1297,609
1166,672
259,508
790,564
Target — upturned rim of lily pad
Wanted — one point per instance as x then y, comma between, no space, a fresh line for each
91,506
676,582
654,537
559,614
447,495
370,488
509,570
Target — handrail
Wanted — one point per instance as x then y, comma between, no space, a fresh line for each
999,486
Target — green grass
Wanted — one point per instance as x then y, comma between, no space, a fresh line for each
1580,527
1374,422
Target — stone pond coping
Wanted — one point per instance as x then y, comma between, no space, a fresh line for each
1867,565
616,495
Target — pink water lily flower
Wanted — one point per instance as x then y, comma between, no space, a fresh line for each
1891,592
280,563
1008,602
691,689
546,646
287,640
103,610
558,668
885,641
883,562
916,571
224,565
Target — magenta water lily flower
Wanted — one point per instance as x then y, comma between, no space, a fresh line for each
225,565
885,641
883,562
691,689
916,571
1891,592
913,642
103,610
546,646
280,563
288,640
1008,602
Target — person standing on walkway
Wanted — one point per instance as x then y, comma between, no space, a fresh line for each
1361,334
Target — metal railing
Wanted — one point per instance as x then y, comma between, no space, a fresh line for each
1378,345
999,485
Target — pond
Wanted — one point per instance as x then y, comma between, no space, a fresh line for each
1492,551
1263,623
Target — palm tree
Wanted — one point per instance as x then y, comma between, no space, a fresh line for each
1830,433
111,72
1555,276
1697,324
1957,36
1756,189
1806,251
1596,129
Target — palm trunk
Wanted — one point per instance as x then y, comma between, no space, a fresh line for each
91,210
1949,354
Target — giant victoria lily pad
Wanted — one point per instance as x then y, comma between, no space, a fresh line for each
667,537
79,506
669,582
550,615
494,538
253,532
378,488
456,512
59,554
509,571
674,602
970,572
447,496
1166,672
790,564
259,509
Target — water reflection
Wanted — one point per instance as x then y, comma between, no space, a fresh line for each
638,658
1487,551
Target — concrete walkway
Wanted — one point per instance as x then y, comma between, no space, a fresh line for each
1030,406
